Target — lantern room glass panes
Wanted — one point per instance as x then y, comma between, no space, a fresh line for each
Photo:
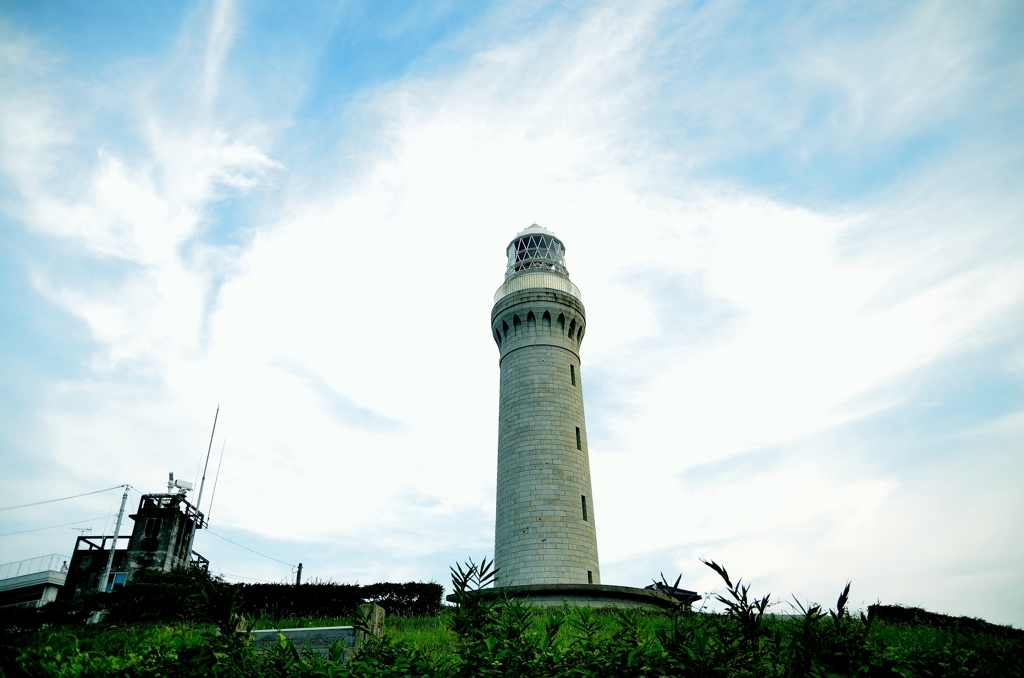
540,252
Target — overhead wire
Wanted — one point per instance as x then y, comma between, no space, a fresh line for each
50,501
107,517
106,522
37,529
78,522
249,549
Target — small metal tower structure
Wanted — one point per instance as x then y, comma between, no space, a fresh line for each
165,524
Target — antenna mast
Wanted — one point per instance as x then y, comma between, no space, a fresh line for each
216,478
199,498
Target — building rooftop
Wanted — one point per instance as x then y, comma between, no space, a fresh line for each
49,563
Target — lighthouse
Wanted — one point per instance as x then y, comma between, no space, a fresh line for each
545,520
545,529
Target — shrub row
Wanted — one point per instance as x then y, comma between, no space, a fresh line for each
415,599
915,616
192,595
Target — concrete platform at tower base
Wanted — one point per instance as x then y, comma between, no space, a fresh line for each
584,595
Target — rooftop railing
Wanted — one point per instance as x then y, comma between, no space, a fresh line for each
52,562
527,281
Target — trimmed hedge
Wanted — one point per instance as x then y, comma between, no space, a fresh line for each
193,595
337,600
915,616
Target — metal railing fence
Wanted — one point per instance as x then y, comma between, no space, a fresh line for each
51,562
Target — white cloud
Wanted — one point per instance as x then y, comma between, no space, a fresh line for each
222,33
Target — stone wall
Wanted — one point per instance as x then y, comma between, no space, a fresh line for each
160,537
541,533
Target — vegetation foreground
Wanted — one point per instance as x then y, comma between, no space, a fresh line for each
512,639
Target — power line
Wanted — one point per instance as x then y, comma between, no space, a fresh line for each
249,549
238,576
37,529
50,501
106,521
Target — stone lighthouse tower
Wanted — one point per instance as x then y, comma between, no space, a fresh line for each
544,529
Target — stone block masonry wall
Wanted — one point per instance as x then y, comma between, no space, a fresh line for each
542,535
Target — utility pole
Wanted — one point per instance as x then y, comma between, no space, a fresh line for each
298,575
113,547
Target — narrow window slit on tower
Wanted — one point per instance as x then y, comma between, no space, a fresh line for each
579,441
590,576
572,374
584,498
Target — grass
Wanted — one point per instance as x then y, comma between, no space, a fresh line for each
896,649
514,640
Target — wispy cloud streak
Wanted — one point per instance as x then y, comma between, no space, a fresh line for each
339,406
222,34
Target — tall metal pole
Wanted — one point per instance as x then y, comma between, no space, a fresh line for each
199,498
216,479
113,547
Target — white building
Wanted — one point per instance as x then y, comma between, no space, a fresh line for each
32,582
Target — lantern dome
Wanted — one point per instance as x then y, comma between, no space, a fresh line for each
535,249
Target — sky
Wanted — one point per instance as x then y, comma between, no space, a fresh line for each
798,229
